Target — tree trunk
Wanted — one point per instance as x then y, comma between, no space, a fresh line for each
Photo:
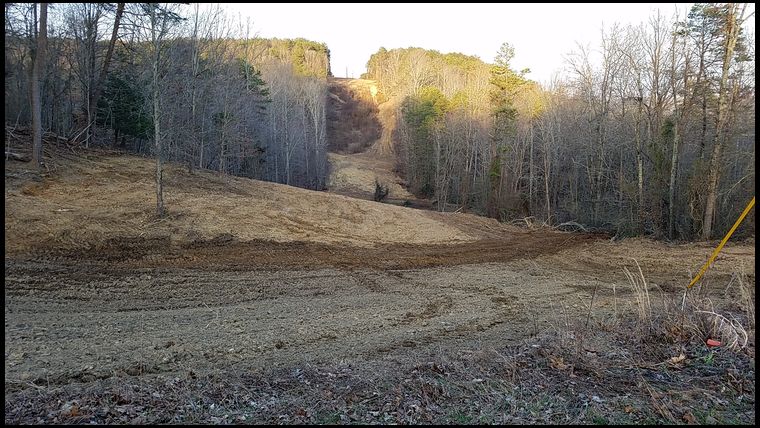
156,116
193,102
39,59
109,53
703,134
222,152
438,192
530,172
91,37
678,115
639,170
672,188
732,33
547,175
598,198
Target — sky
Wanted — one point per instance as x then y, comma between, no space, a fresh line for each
542,34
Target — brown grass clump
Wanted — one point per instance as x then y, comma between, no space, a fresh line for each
729,332
641,292
33,189
747,300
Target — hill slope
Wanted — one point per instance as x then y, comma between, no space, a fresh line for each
360,126
86,200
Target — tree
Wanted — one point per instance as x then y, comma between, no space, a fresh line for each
39,59
505,85
160,19
102,77
678,114
121,107
83,25
422,115
733,18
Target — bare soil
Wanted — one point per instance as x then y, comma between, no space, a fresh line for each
355,174
255,302
91,199
352,115
360,131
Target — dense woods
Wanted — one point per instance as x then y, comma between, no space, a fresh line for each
650,132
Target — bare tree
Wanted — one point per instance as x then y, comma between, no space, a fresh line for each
84,21
107,61
734,19
678,34
160,19
39,59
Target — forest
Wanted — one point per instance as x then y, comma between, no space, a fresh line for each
181,83
651,131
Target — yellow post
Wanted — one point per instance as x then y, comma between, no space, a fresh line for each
722,243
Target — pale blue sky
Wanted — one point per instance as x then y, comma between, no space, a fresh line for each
540,33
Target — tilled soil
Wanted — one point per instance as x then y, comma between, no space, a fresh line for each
81,320
129,311
226,252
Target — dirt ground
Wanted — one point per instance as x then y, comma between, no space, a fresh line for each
92,308
87,200
355,174
77,321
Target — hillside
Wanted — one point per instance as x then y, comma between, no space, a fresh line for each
360,125
353,123
87,200
308,57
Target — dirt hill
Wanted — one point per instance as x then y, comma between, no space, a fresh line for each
106,196
361,122
353,123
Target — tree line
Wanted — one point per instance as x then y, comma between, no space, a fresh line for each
651,132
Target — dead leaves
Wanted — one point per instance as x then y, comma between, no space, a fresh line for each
689,418
557,363
677,362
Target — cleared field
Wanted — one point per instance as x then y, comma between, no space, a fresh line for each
264,303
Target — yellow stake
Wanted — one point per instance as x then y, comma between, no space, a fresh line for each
722,243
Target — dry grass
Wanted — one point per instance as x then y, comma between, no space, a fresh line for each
641,292
693,312
357,174
747,301
86,200
716,326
